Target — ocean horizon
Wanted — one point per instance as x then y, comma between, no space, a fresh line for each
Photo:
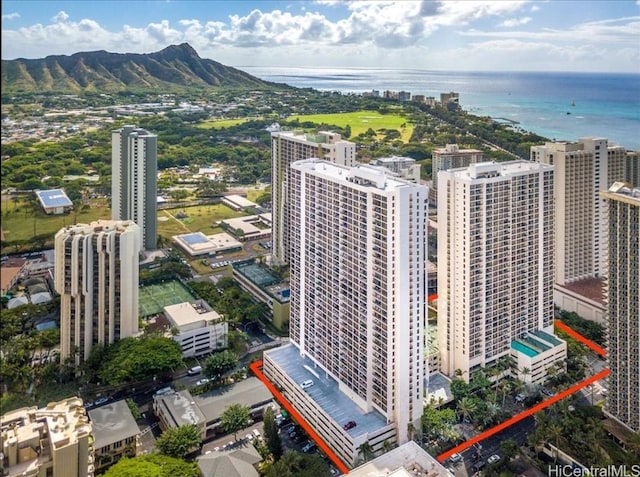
555,105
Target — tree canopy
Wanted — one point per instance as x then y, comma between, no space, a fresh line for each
271,435
152,465
234,418
136,359
179,441
297,464
219,363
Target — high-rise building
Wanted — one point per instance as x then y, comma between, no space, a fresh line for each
355,365
495,268
134,182
632,168
55,440
623,303
583,169
96,275
286,148
452,157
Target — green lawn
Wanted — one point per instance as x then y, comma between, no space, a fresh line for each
223,123
361,121
201,218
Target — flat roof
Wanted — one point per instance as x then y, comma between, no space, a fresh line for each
249,392
438,388
181,408
407,460
54,198
247,224
112,423
194,238
239,200
187,313
549,338
257,274
325,391
592,288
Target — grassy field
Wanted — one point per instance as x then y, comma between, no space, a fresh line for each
201,218
223,123
361,121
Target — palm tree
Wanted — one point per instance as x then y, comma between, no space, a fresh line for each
366,451
632,443
555,434
467,407
388,445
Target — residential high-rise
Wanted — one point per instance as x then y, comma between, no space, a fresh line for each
358,301
96,275
55,440
583,169
286,148
452,157
623,303
134,181
495,268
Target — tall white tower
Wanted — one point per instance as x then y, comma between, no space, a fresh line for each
623,304
286,148
134,183
96,275
358,291
583,169
495,262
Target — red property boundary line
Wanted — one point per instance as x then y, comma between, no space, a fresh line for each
580,338
256,368
540,406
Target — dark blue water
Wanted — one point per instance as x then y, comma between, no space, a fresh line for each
603,105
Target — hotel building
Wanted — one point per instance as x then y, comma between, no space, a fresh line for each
583,169
495,268
52,441
452,157
96,275
134,182
358,301
623,304
286,148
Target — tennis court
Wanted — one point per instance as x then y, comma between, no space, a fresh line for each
153,298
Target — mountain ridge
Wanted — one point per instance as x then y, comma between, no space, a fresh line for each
172,68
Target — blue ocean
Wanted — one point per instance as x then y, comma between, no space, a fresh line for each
558,106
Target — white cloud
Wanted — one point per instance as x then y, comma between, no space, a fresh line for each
10,16
60,17
514,22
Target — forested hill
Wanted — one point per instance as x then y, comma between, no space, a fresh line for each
173,68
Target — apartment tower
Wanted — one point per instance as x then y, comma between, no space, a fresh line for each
358,299
495,267
583,169
134,183
623,298
286,148
452,157
96,275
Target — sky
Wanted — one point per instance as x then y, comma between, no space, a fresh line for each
447,35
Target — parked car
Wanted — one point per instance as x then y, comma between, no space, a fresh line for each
455,458
349,425
195,370
203,381
478,466
308,447
493,459
101,401
306,384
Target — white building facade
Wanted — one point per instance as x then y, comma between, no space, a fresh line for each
358,298
134,181
96,275
286,148
623,304
196,327
495,263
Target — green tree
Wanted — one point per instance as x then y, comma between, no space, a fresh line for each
509,448
136,359
467,406
133,407
366,451
459,389
235,418
179,441
219,363
152,465
271,435
297,464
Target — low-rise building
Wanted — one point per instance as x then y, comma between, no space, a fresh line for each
250,227
53,441
54,201
536,352
237,202
116,434
197,243
197,327
408,460
177,408
239,462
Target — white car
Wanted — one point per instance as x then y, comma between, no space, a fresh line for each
203,381
493,459
455,458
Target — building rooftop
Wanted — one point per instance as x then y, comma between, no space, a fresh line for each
112,423
249,392
325,391
187,314
54,198
592,288
438,388
408,460
238,462
239,201
180,408
256,273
